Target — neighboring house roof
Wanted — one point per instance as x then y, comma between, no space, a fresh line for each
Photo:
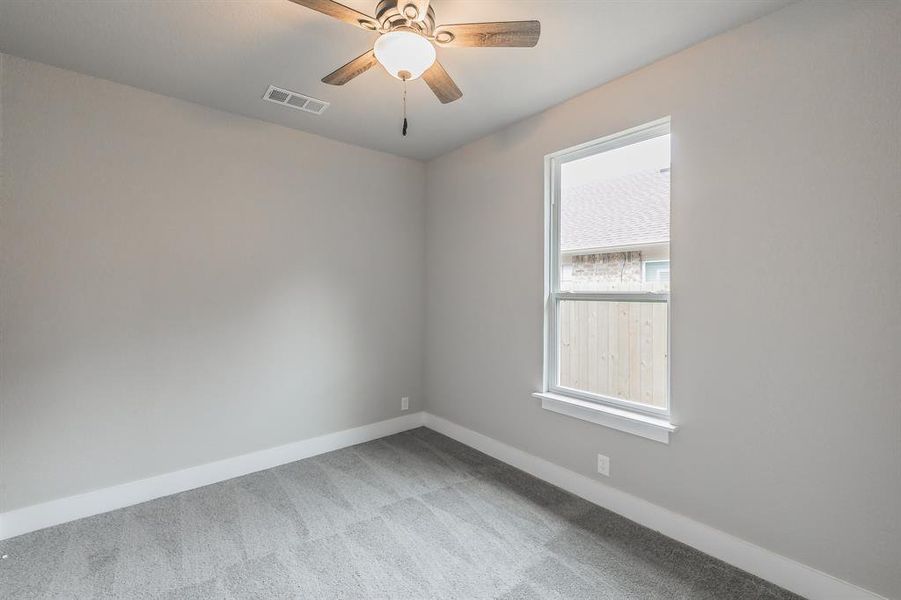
623,211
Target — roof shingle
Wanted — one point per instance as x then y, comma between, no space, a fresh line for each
611,213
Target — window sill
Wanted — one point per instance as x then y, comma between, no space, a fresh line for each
652,428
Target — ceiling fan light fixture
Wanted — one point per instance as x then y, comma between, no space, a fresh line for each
409,36
404,51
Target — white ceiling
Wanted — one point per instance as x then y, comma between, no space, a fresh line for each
224,54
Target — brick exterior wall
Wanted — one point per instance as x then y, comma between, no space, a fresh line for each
612,268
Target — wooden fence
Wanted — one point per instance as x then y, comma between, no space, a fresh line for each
615,348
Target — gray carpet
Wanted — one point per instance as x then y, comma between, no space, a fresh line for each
414,515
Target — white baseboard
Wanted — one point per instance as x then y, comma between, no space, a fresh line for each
47,514
782,571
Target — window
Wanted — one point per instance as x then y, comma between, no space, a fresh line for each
608,273
656,271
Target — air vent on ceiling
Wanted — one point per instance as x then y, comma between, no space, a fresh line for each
295,100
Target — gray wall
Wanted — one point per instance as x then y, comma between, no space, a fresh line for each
786,248
180,285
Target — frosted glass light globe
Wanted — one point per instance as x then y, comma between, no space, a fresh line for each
400,51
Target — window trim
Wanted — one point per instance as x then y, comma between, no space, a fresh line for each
652,428
553,296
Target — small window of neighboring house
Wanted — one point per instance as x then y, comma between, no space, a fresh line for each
656,271
607,317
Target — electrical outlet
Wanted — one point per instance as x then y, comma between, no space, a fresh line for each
604,465
405,403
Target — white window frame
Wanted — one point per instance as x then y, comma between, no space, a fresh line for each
626,415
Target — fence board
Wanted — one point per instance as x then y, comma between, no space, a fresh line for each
661,354
615,348
646,357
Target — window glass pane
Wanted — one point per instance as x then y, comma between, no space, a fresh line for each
614,218
656,270
616,349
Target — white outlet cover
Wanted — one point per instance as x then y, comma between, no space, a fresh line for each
405,403
604,465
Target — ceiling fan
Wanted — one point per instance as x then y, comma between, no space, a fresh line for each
406,46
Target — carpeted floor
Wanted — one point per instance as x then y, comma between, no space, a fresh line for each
414,515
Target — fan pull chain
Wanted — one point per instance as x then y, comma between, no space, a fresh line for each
404,130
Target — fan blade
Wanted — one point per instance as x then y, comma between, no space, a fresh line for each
511,34
357,66
442,84
340,12
415,10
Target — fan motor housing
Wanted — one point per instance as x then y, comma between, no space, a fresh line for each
390,15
